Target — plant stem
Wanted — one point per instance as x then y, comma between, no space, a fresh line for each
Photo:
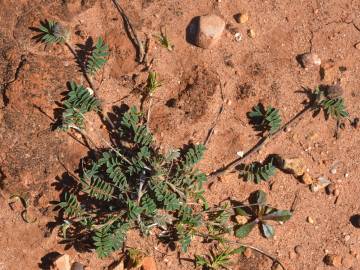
257,146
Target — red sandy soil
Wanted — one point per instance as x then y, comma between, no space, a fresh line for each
33,158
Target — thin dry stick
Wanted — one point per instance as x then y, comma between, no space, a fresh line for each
221,110
257,146
131,33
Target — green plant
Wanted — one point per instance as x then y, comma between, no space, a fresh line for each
165,41
140,188
265,120
152,83
98,57
257,172
79,101
53,32
259,213
217,258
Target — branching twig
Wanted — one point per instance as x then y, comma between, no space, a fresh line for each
221,110
257,146
140,53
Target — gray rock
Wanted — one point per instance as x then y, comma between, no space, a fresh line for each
210,30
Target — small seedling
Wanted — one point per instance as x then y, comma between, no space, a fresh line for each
53,32
265,120
152,83
165,41
218,258
259,213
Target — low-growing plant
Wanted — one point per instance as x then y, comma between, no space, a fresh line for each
218,258
165,41
259,213
140,188
132,185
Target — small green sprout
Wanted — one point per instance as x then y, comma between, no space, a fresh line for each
152,83
217,258
259,213
165,41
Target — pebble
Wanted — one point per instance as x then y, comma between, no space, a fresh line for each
241,17
308,60
62,263
310,220
238,37
210,30
333,260
355,221
241,220
347,237
330,189
333,171
247,253
357,46
251,33
295,166
321,183
287,129
299,250
307,179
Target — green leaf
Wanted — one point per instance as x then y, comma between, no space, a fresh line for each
260,197
98,57
244,230
267,230
278,215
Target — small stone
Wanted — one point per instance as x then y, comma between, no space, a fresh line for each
295,166
299,250
210,30
330,189
321,183
241,220
251,33
247,253
287,129
91,92
238,37
347,238
308,60
310,220
333,260
240,153
357,46
307,179
77,266
148,263
62,263
336,192
241,17
333,171
355,221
